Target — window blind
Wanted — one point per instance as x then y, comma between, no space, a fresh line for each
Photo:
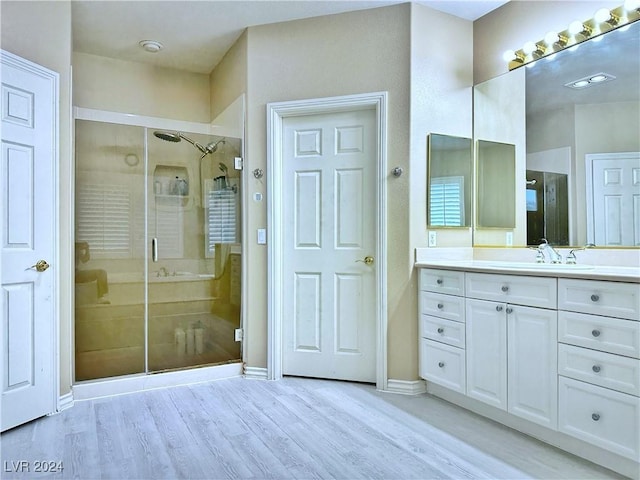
102,219
446,201
221,218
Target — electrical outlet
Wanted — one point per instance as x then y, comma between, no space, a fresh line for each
432,239
509,239
238,335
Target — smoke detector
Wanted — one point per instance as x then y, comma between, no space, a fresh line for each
151,46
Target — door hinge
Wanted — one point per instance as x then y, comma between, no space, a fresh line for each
237,163
238,334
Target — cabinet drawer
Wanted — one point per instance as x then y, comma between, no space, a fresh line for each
444,306
614,299
450,282
600,416
514,289
601,333
441,330
604,369
442,364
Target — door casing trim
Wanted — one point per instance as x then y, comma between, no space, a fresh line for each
276,113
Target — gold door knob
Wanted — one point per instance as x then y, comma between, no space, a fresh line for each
368,260
40,266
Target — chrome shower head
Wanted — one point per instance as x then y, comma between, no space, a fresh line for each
176,137
167,136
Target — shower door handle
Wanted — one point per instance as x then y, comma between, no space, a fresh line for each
154,249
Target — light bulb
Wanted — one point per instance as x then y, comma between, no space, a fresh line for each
529,48
598,78
551,38
576,27
581,83
509,55
602,15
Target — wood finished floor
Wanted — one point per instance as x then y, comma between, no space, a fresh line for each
293,428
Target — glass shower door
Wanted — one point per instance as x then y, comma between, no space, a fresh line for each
193,226
109,250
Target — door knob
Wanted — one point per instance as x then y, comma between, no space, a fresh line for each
368,260
40,266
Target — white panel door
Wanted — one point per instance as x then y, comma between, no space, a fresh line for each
616,201
28,108
533,364
486,336
329,323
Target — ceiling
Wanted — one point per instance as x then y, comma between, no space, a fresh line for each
197,34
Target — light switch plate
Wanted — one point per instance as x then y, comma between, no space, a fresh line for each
509,239
262,236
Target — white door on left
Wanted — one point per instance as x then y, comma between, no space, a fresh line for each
28,107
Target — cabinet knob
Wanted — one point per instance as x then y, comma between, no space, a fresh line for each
505,288
596,368
440,330
509,310
595,417
440,306
439,281
498,308
441,364
595,298
595,332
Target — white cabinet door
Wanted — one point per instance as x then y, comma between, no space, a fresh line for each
486,337
532,366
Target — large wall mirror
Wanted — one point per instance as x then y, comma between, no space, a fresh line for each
581,181
449,198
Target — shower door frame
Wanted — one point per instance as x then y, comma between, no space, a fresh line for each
140,381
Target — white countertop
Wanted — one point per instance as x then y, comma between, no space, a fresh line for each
587,272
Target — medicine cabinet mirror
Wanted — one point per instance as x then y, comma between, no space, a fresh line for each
496,184
449,181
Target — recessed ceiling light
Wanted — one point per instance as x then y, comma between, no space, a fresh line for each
151,46
590,80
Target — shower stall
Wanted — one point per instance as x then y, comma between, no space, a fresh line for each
158,247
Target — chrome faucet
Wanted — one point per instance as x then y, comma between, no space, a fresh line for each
552,253
571,258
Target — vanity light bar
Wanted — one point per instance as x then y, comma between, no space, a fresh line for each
577,32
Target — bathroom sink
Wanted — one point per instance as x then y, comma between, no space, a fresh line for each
539,266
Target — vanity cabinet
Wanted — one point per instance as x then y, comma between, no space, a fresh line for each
442,332
511,344
599,363
559,352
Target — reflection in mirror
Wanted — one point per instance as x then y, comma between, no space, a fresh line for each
547,208
450,161
588,137
496,183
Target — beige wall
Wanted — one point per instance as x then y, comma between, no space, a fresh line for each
131,87
229,79
441,80
519,21
395,49
335,55
41,32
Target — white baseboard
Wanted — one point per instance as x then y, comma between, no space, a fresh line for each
257,373
65,401
119,386
406,387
